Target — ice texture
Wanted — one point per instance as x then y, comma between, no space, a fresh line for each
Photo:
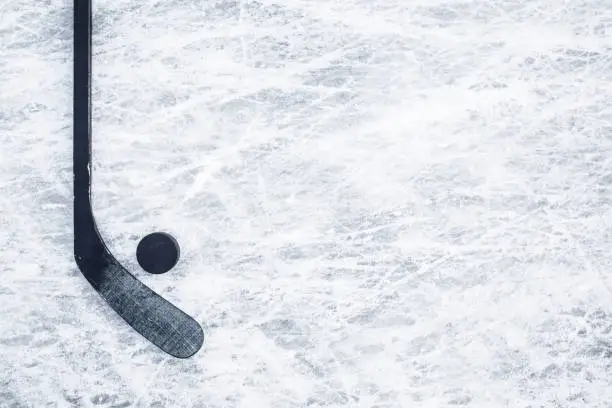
380,204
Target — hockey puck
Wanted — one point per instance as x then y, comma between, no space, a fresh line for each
158,253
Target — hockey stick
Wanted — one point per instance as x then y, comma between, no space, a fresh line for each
159,321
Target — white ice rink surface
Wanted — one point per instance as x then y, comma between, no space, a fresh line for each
380,204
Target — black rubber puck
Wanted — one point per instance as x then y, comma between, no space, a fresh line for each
158,253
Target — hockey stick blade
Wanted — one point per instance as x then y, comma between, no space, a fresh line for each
156,319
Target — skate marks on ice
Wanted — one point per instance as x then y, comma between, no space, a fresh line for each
345,226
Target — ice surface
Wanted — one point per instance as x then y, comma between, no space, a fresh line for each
387,203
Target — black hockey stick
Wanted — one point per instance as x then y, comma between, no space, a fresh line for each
159,321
